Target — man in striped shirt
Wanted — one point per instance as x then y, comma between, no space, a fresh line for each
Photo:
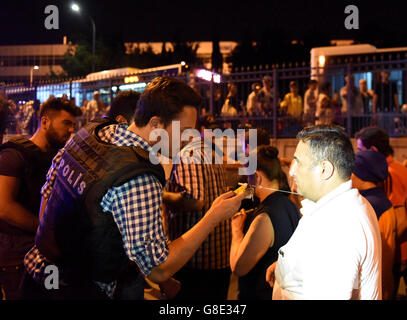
207,274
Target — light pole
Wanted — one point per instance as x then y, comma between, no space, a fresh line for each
77,9
32,74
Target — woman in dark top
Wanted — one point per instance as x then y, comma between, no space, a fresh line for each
257,237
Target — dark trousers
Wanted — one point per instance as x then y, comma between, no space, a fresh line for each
85,290
130,287
10,278
203,284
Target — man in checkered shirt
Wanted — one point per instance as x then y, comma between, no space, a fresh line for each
136,205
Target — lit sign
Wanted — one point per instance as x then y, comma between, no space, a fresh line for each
208,75
321,61
133,86
131,79
216,78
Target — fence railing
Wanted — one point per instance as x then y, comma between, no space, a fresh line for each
331,81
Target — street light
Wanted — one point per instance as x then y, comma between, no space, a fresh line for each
31,74
77,9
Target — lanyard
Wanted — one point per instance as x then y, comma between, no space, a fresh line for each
261,187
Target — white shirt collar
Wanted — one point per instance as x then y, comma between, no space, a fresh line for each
309,206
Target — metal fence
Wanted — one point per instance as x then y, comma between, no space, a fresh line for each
281,125
278,123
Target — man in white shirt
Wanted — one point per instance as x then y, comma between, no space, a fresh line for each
310,102
253,105
335,252
95,107
356,102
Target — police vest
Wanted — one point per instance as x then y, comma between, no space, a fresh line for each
74,232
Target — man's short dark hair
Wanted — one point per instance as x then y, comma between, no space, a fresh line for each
331,143
124,104
58,104
375,137
165,97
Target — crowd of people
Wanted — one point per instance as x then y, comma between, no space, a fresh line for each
317,105
92,206
299,108
22,118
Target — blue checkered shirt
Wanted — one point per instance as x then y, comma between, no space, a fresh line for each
136,208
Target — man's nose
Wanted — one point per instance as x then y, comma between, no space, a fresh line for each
292,170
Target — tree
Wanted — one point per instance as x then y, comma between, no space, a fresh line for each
109,54
185,51
143,59
77,61
244,54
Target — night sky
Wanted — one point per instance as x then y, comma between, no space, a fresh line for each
22,22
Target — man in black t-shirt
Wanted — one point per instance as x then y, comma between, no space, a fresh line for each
23,167
385,98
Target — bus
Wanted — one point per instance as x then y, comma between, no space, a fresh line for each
108,82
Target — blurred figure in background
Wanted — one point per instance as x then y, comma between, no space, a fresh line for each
310,103
377,139
232,106
356,103
123,107
367,96
253,105
323,103
326,112
292,103
95,107
368,177
27,119
266,95
385,97
217,101
4,115
354,97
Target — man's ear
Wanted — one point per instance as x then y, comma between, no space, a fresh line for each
259,178
121,119
155,122
45,122
327,169
374,148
